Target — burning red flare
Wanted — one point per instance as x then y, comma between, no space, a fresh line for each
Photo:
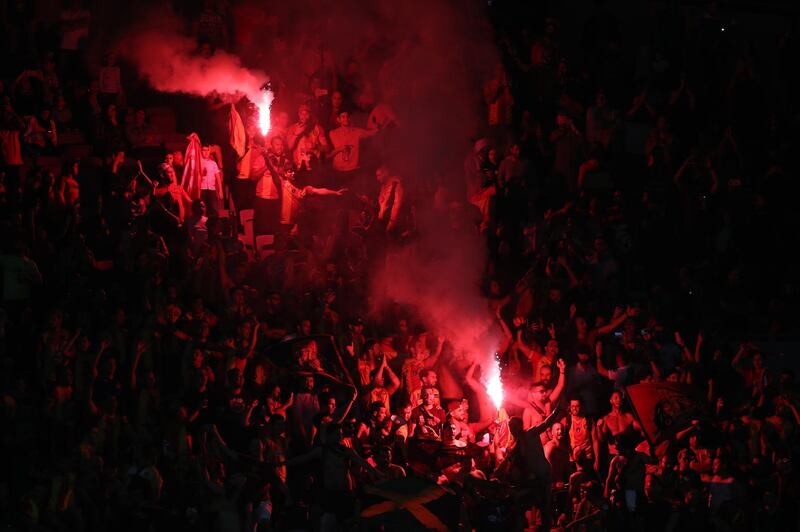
264,105
494,382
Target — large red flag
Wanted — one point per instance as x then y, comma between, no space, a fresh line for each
664,408
192,167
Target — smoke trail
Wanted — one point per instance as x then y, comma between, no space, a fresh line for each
426,60
169,64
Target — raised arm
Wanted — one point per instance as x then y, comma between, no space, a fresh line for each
697,345
601,369
687,355
508,337
532,354
469,378
140,347
562,369
394,381
353,397
617,321
254,340
573,279
396,206
737,361
434,358
225,280
313,191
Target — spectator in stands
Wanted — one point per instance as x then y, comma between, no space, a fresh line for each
41,136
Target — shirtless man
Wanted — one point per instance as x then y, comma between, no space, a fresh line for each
615,423
459,417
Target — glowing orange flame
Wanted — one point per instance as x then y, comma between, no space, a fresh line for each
494,383
264,106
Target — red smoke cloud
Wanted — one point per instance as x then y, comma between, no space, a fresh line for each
169,63
427,60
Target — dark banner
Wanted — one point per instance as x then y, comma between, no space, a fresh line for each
664,408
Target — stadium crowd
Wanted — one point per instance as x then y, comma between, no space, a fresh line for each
212,361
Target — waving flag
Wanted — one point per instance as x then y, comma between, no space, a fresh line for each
192,167
237,133
664,408
407,504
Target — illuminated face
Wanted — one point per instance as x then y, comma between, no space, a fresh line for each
616,400
575,407
430,379
384,457
282,120
459,414
382,174
537,394
238,297
380,414
173,313
312,349
551,349
344,119
277,145
448,431
303,114
557,430
546,374
205,151
429,397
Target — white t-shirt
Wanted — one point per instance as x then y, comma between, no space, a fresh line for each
208,175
